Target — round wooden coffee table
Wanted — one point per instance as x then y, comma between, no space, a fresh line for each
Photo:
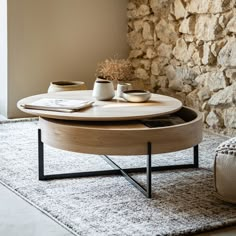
117,127
115,109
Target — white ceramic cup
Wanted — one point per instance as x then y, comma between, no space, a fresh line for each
121,88
103,90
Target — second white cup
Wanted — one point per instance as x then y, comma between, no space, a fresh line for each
121,88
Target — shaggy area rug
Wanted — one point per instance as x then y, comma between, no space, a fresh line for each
183,201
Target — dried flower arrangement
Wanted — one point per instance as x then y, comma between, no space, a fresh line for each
115,69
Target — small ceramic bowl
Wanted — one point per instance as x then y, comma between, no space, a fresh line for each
136,95
61,86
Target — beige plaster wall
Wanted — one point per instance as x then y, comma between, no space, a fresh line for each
52,40
3,57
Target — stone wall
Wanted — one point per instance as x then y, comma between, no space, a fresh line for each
187,49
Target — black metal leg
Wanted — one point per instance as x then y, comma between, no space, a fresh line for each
146,191
123,172
196,156
117,169
40,156
149,170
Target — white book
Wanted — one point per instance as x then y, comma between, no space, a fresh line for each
58,104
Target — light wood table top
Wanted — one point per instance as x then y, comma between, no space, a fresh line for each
115,109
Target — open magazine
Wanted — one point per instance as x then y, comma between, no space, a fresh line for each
58,104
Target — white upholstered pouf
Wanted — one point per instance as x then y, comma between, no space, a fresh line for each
225,170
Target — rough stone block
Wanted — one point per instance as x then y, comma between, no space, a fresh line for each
206,27
166,32
165,50
187,26
227,55
230,117
224,97
179,9
213,120
148,31
141,73
181,50
214,80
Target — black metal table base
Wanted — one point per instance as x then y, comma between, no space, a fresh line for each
147,191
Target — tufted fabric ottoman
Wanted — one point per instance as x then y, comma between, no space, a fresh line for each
225,170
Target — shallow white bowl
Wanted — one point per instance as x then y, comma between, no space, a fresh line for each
136,95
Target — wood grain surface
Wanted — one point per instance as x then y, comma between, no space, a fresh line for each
116,109
122,137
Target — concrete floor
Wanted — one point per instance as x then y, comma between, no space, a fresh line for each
2,118
230,231
17,217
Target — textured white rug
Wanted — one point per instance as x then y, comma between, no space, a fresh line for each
183,201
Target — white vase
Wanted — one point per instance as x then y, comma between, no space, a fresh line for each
103,90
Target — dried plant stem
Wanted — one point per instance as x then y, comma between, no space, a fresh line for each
116,69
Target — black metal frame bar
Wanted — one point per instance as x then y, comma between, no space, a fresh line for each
147,191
